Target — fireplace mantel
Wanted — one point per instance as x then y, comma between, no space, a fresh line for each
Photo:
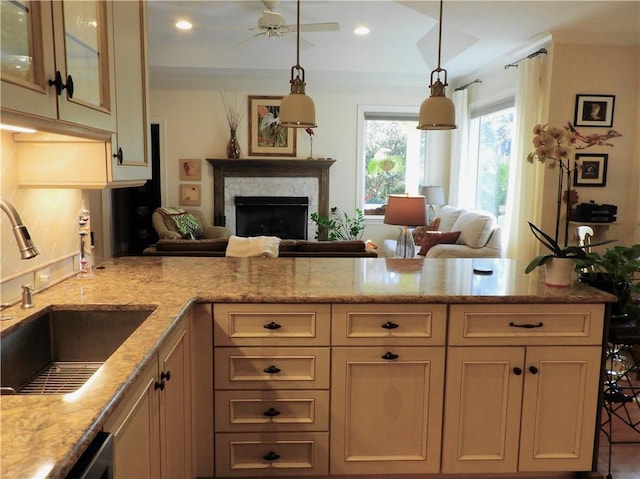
260,168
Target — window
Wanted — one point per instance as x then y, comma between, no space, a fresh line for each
490,134
392,158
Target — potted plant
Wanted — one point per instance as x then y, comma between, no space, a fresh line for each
339,226
616,271
560,262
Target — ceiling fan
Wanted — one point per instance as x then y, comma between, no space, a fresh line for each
272,24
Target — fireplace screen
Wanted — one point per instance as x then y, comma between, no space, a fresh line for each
283,216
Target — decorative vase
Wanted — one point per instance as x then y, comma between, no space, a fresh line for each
233,147
559,272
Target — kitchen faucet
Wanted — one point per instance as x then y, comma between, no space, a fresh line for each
23,239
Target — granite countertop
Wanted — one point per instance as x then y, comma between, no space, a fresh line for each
43,436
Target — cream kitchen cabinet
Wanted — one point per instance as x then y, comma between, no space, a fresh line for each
152,428
386,413
522,388
70,72
271,375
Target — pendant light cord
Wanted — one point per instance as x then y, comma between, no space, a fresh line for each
298,38
439,35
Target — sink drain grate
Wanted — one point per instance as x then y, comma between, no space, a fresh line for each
61,378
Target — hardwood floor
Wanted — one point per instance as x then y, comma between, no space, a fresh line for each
625,458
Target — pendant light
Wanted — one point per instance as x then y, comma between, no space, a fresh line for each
437,111
297,109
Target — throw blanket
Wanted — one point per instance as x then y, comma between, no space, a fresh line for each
266,246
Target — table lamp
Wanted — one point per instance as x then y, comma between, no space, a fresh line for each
405,211
434,195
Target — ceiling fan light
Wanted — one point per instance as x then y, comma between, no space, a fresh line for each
297,110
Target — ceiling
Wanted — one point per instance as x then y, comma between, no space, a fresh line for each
403,42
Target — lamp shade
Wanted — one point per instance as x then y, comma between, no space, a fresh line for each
434,195
437,113
297,111
405,210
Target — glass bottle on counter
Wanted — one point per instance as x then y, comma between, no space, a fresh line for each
84,224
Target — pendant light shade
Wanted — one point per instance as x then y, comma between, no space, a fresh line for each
297,109
437,111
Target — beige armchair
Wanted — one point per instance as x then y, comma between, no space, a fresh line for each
167,228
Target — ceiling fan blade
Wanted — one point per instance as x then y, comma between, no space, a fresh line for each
246,41
317,27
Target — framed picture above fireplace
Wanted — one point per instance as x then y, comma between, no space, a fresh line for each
266,136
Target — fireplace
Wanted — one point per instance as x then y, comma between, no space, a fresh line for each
281,216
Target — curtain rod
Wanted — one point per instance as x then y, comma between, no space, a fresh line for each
468,84
542,51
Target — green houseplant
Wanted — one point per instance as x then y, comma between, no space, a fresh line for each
339,226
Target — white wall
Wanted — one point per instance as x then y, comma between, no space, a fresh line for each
195,127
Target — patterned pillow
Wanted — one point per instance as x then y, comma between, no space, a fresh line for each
418,233
188,226
432,238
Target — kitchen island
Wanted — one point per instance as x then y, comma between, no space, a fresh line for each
43,436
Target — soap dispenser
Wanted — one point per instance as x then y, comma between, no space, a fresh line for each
84,224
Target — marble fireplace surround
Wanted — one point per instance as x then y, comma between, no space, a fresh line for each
268,177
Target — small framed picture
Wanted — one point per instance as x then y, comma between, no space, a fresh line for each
592,169
594,110
190,170
266,136
190,195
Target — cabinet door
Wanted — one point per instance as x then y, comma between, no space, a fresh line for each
386,414
175,405
482,411
84,51
136,432
131,144
27,58
559,404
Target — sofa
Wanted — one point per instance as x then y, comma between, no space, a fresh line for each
455,233
288,248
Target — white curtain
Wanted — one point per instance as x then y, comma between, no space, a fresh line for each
524,202
462,184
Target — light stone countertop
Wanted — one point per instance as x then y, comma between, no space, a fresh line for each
43,436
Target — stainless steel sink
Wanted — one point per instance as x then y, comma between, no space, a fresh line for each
57,352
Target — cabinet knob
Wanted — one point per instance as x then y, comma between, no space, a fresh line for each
166,376
517,371
389,325
271,456
271,370
119,156
158,385
533,370
526,326
61,86
389,356
272,325
271,412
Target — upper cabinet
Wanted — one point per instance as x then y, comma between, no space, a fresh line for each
57,61
77,69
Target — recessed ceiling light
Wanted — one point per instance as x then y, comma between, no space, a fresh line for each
184,25
361,30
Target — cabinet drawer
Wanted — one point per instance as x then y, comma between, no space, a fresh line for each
243,411
385,324
272,454
522,324
271,368
271,324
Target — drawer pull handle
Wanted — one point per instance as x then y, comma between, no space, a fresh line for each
272,325
389,325
271,370
526,326
517,371
271,456
158,385
166,376
271,412
389,356
533,370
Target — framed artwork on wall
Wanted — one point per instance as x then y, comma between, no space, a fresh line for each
190,195
594,110
190,170
592,169
266,136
